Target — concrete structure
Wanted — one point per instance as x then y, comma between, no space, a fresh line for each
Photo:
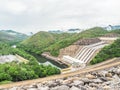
84,55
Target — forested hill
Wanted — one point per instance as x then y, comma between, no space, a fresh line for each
44,41
41,40
11,37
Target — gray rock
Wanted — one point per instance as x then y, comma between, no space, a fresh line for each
97,81
74,88
118,71
51,84
14,88
83,88
108,83
102,73
89,76
93,85
92,88
116,78
114,71
43,88
32,89
86,80
104,79
63,87
107,88
77,82
30,86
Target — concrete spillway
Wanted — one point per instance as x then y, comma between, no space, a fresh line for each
85,54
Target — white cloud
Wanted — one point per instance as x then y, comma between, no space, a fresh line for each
34,15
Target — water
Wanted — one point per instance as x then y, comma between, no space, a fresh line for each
42,59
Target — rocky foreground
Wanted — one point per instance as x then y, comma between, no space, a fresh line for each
108,79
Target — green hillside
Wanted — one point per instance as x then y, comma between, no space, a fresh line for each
11,37
44,41
41,40
108,52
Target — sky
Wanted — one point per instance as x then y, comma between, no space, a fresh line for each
42,15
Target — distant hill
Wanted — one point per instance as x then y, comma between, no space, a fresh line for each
11,37
51,42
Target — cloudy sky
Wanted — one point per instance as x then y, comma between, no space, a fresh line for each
36,15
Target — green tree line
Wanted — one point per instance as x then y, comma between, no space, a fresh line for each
19,71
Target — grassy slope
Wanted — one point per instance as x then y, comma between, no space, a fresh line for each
44,41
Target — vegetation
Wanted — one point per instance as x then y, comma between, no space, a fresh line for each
49,42
6,49
15,71
19,72
108,52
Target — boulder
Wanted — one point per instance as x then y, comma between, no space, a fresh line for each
118,71
14,88
102,73
63,87
104,79
86,80
93,85
32,89
116,78
89,76
97,81
43,88
108,75
74,88
77,82
106,88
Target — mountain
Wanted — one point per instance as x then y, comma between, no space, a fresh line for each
11,37
52,42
